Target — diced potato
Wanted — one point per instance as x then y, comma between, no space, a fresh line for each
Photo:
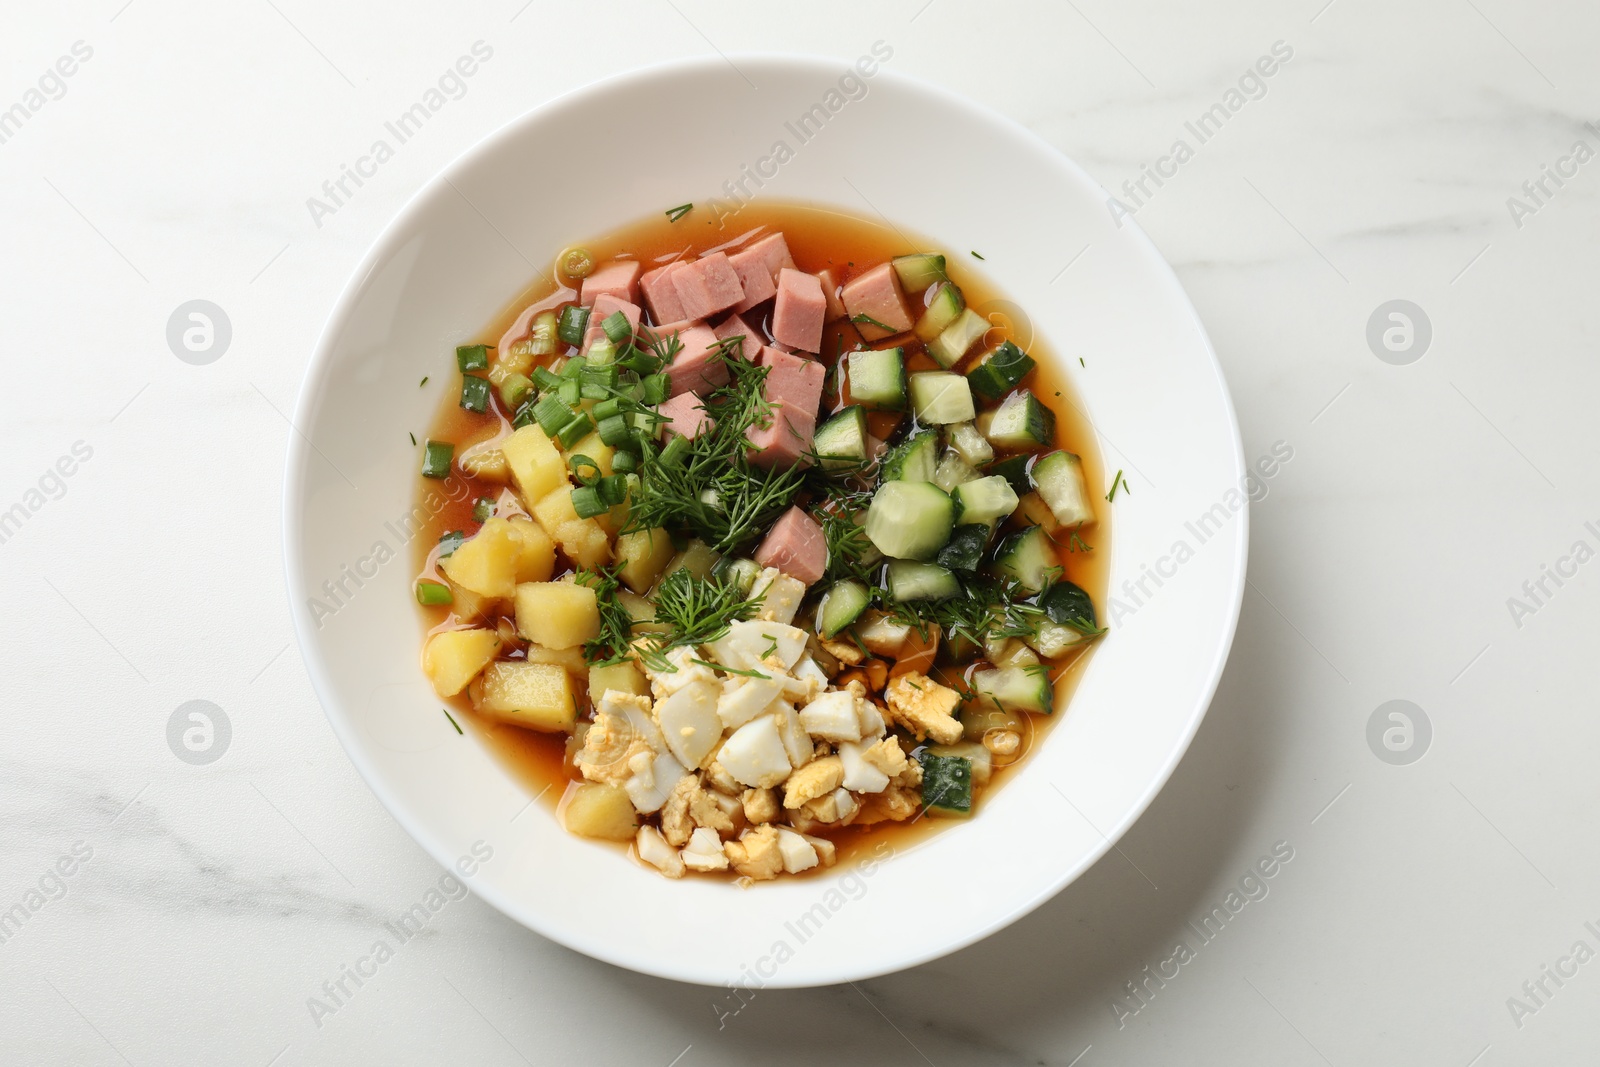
468,605
535,695
697,558
486,563
490,465
453,658
603,811
624,677
536,465
557,614
581,539
643,613
596,450
643,554
570,658
537,559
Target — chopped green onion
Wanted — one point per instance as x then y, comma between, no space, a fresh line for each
542,336
602,351
436,457
613,489
472,357
578,464
449,542
515,389
605,409
617,327
483,509
605,375
432,594
571,324
587,503
574,431
544,378
573,367
672,455
524,415
624,462
656,387
615,431
577,263
570,392
676,213
593,391
641,361
475,393
552,414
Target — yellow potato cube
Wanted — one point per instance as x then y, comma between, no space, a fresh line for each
490,465
453,658
643,553
536,465
595,449
581,539
486,563
537,559
570,658
623,677
557,614
468,606
535,695
643,613
604,811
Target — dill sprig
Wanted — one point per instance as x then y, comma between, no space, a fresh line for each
699,610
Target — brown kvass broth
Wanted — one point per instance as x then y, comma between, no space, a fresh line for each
818,238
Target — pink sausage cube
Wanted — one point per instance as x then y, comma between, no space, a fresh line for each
736,326
619,278
798,315
876,294
785,440
707,286
684,416
698,366
795,545
757,266
607,305
661,294
830,289
793,379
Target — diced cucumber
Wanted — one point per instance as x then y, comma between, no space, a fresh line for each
919,270
841,442
878,377
1015,471
952,471
1020,424
982,761
956,339
909,520
739,573
973,446
1000,372
1052,639
965,550
909,580
1068,604
984,500
1059,477
912,460
944,308
939,397
1028,556
946,784
841,605
1014,689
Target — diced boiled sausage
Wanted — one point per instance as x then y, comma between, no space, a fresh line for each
798,315
707,286
795,546
876,295
619,278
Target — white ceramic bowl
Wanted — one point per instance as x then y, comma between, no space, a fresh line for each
468,243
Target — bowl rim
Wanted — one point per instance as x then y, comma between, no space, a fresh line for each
293,515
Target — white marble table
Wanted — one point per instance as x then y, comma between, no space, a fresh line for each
1424,500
